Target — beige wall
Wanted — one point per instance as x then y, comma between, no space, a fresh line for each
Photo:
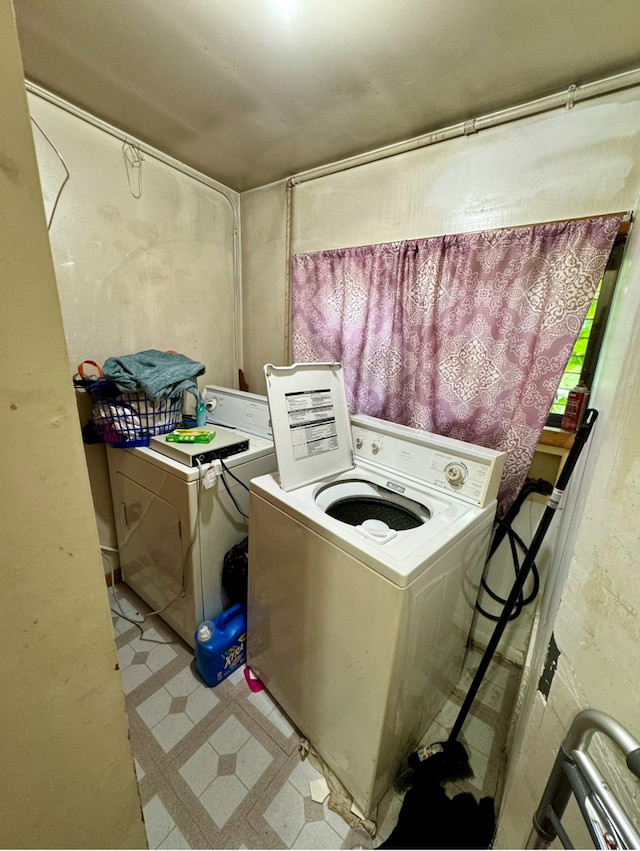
155,271
68,777
264,294
594,613
564,164
559,165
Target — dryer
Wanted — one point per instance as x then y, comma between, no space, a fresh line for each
175,520
366,553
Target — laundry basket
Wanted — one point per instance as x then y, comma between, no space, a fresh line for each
127,419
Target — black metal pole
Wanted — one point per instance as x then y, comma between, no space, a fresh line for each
563,479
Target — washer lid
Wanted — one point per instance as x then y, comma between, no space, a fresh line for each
310,421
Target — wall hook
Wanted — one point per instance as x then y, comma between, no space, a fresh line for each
133,159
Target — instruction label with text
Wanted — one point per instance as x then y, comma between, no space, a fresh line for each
312,423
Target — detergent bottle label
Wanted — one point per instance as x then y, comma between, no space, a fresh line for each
233,657
220,645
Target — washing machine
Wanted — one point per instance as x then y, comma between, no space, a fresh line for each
366,549
180,507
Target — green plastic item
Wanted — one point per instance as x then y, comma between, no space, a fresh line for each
190,435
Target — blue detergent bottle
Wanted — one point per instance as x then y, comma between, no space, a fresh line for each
221,645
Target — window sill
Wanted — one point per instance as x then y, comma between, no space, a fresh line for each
557,437
551,453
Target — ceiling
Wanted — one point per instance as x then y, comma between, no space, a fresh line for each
252,91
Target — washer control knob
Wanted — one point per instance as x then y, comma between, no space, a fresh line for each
376,445
359,442
211,404
455,474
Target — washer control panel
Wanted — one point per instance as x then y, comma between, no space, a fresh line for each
237,409
470,472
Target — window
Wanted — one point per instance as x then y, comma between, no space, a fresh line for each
584,358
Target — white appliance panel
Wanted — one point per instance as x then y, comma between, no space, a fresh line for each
237,409
310,421
366,555
157,501
152,516
452,467
152,534
361,665
400,559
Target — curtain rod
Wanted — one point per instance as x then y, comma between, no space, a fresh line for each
623,228
566,98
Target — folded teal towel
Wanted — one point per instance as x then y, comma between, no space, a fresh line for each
160,375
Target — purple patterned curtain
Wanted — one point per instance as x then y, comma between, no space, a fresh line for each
465,335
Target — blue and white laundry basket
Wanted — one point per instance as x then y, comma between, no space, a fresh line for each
130,419
127,419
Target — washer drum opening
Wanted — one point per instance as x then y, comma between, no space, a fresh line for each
362,503
356,510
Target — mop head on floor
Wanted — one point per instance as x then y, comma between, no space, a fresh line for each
429,818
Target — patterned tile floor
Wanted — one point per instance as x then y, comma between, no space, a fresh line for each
220,768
